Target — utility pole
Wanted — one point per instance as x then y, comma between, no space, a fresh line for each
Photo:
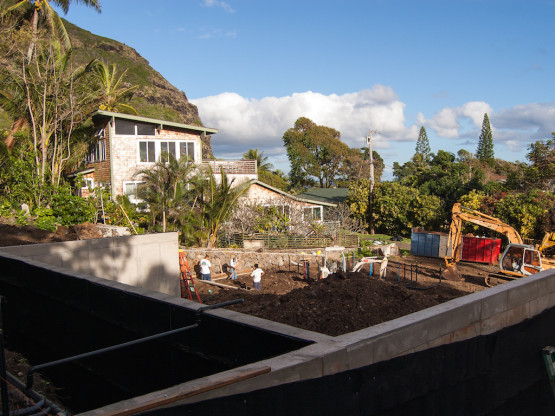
371,190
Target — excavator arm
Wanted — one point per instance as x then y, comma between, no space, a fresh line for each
547,242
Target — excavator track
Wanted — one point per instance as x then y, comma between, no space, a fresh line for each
494,279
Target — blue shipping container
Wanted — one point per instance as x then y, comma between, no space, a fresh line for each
424,244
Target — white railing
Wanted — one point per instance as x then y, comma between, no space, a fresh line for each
241,167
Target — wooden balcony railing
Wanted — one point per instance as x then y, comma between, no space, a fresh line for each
240,167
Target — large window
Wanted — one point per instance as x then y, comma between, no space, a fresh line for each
187,148
168,147
151,150
313,214
147,151
134,128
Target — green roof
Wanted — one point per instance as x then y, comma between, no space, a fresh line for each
329,195
161,123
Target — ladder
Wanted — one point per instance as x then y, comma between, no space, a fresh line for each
186,279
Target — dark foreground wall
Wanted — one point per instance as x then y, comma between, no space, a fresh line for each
498,374
49,314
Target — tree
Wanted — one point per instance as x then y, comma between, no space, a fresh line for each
217,202
541,172
485,153
356,165
261,161
52,99
274,179
397,209
164,186
113,91
315,152
42,15
357,199
423,145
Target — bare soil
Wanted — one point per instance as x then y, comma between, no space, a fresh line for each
346,302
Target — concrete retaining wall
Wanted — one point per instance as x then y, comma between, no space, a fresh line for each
283,259
477,314
481,314
149,261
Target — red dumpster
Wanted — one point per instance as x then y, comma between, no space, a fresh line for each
481,250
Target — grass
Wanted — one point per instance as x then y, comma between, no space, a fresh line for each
384,238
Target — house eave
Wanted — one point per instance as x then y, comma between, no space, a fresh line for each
160,123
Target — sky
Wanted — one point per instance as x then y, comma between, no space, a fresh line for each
253,67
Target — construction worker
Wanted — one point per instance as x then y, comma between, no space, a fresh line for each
232,270
205,266
257,276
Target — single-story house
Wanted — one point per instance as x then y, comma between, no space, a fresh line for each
311,210
128,143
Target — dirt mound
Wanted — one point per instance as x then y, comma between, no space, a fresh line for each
15,235
342,303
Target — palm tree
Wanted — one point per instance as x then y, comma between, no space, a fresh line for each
261,160
42,14
113,92
164,186
217,202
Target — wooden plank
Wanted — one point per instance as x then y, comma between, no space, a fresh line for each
208,282
191,391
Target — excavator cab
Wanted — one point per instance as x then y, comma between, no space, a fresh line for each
521,260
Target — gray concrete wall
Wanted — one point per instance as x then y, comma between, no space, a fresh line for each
149,261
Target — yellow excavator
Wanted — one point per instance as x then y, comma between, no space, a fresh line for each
546,245
517,260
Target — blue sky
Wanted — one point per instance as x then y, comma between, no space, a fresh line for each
254,66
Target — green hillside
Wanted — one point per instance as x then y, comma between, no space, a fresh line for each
155,97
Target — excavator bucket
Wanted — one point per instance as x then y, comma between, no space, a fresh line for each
451,273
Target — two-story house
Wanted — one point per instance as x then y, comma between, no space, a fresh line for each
128,143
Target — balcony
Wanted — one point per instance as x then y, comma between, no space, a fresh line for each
231,167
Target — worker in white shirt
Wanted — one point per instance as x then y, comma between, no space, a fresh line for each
205,266
233,264
257,276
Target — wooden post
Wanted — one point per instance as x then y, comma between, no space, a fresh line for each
371,190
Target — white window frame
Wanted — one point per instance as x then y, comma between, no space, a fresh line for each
158,148
312,208
88,183
135,199
282,207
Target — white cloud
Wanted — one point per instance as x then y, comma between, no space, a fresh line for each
216,3
447,121
250,122
246,123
